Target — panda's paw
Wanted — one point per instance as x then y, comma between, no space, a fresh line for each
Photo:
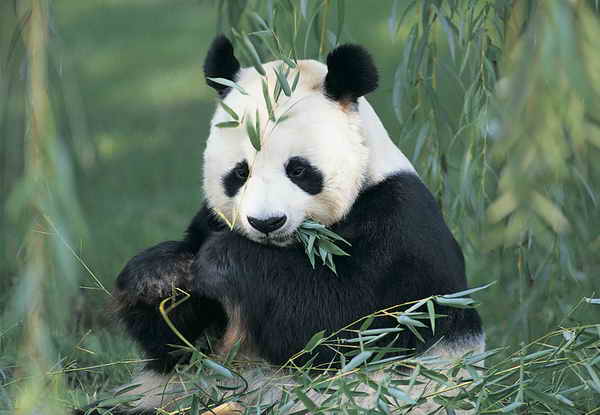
154,274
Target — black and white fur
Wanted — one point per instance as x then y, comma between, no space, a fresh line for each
331,161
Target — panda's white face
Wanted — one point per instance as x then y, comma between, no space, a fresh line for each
312,165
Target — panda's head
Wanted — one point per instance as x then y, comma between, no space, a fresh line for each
312,164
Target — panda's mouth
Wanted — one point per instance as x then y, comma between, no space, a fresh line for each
278,239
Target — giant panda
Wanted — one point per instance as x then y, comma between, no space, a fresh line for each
251,285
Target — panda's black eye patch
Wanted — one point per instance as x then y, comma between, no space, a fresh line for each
304,175
241,172
297,172
235,178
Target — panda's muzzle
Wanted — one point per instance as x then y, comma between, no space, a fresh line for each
268,225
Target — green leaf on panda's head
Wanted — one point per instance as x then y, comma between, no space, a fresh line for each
288,62
295,81
228,124
277,91
282,80
267,98
228,83
230,111
253,134
253,54
257,127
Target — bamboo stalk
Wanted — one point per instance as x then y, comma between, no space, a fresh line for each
33,356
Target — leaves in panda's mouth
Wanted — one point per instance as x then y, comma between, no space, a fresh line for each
320,241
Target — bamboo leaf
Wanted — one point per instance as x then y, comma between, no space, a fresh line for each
400,395
416,333
381,331
257,124
431,311
194,408
356,361
512,407
253,134
295,81
267,98
456,302
314,341
230,111
217,368
331,248
469,291
451,32
282,81
120,400
253,54
311,242
435,376
228,124
128,388
290,63
229,83
308,403
409,321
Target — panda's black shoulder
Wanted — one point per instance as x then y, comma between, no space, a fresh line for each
399,220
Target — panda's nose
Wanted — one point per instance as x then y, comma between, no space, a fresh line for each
267,225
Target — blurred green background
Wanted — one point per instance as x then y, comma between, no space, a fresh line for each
131,110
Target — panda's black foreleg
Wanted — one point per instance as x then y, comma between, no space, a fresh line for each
150,277
156,274
160,272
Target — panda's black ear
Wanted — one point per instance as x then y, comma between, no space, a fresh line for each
220,62
351,73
